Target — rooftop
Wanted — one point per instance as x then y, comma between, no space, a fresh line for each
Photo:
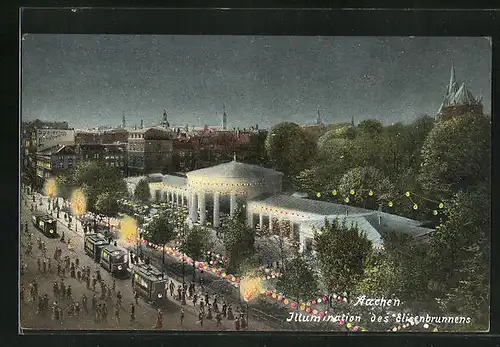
235,169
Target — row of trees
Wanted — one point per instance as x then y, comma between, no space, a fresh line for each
103,186
446,161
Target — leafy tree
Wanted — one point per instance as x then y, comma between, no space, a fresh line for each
370,127
107,204
460,253
142,191
363,180
341,252
456,155
289,148
195,243
64,186
239,240
402,270
298,280
95,178
339,131
161,229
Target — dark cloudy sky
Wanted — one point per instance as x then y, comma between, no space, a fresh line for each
89,80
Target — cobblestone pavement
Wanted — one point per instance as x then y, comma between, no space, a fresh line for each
145,312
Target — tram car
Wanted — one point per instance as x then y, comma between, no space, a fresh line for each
93,244
114,259
149,282
46,224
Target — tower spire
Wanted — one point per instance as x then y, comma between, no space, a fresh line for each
165,122
123,120
224,117
352,121
453,86
318,117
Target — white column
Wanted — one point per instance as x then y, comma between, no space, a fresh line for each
250,218
203,207
178,196
193,209
302,243
216,209
270,222
261,220
232,204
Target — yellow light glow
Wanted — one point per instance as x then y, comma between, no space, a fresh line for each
318,194
435,212
407,194
334,192
50,187
128,230
390,204
415,206
441,205
250,288
346,199
78,202
370,193
352,192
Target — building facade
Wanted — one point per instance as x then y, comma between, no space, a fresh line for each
212,194
459,101
150,150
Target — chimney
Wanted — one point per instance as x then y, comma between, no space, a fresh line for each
142,124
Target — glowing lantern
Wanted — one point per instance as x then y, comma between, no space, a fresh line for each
322,314
441,205
223,274
370,193
352,192
319,301
390,204
286,301
415,206
273,295
349,325
334,192
280,298
302,307
315,311
346,199
309,310
313,302
325,298
294,305
341,322
355,328
229,277
268,293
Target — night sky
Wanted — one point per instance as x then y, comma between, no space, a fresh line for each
89,80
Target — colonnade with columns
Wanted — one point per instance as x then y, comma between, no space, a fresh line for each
198,206
176,197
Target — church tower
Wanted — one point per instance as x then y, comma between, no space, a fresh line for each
165,122
123,120
318,118
224,117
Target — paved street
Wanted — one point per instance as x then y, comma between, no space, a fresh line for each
145,312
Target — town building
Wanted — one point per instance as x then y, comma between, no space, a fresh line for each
213,193
150,150
458,101
112,155
53,161
101,137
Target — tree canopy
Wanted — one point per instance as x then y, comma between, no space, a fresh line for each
456,155
197,241
366,187
289,148
298,280
239,240
341,251
107,204
142,191
460,253
161,229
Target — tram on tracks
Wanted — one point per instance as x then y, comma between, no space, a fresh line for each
93,244
149,282
46,224
114,260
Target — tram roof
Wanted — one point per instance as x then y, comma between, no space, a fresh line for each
150,272
113,249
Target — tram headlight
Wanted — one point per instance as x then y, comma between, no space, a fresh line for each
160,295
120,267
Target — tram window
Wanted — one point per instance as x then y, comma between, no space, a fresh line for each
139,280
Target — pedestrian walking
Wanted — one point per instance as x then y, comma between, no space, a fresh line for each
79,275
200,318
94,302
206,297
39,263
44,267
119,298
68,292
117,315
182,315
209,312
132,313
50,266
77,309
230,315
98,314
224,309
218,319
114,285
159,320
237,324
136,297
195,298
172,288
94,282
202,305
84,303
104,312
55,289
87,279
77,262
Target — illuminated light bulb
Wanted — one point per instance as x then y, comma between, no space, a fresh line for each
349,325
334,192
435,212
370,193
426,326
407,194
318,194
390,204
394,329
352,192
415,206
346,199
441,205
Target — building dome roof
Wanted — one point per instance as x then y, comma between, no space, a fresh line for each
234,170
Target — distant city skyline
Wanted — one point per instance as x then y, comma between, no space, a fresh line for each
90,80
